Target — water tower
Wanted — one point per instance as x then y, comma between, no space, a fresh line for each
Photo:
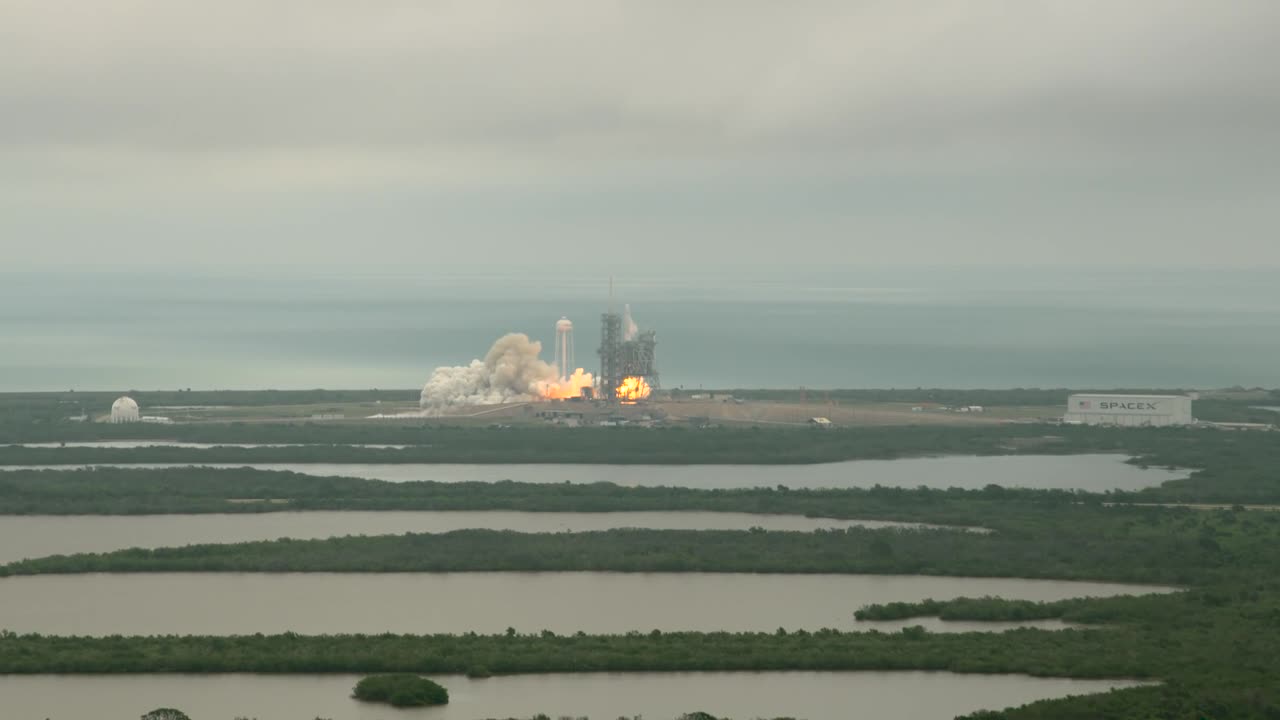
564,347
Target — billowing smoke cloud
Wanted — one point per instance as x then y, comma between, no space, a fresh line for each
510,372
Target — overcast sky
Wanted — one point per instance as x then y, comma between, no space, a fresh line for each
411,133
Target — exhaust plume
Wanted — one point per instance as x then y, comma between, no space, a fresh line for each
629,328
633,388
510,372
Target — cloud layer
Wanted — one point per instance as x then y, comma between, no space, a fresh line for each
1026,132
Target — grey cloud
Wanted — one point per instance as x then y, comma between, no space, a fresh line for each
114,108
236,74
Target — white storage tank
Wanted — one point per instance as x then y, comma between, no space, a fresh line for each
124,410
1129,410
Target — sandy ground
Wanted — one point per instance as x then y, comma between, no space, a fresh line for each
845,415
715,411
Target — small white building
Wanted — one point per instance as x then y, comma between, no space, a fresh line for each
1129,410
125,410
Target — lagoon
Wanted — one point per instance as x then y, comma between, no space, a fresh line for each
34,536
601,696
1096,472
485,602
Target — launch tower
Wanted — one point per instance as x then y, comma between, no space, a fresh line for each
610,353
625,351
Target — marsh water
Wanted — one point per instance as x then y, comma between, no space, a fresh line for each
601,696
1094,472
33,536
485,602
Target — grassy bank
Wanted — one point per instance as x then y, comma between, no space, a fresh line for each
134,491
542,444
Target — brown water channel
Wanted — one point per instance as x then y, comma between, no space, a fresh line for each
601,696
33,536
563,602
1095,472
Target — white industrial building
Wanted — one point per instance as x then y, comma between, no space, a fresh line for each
1129,410
125,410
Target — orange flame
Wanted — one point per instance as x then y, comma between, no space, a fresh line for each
565,388
633,388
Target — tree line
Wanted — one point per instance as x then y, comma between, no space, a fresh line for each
1074,542
128,491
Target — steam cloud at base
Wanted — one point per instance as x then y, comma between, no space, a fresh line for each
510,372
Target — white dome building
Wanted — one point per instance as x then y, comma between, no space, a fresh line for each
124,410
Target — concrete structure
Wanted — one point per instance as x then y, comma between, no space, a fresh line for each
1129,410
125,410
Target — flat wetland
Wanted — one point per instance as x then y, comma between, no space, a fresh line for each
1202,640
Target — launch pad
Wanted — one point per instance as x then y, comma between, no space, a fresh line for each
627,358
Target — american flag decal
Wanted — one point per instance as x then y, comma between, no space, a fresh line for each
1084,404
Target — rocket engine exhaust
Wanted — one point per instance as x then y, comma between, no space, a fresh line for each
510,372
633,388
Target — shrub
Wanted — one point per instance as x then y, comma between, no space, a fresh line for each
401,690
165,714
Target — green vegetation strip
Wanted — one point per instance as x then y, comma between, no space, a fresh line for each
1161,551
543,444
132,491
1089,611
1062,653
537,444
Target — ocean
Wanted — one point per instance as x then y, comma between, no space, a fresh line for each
717,327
